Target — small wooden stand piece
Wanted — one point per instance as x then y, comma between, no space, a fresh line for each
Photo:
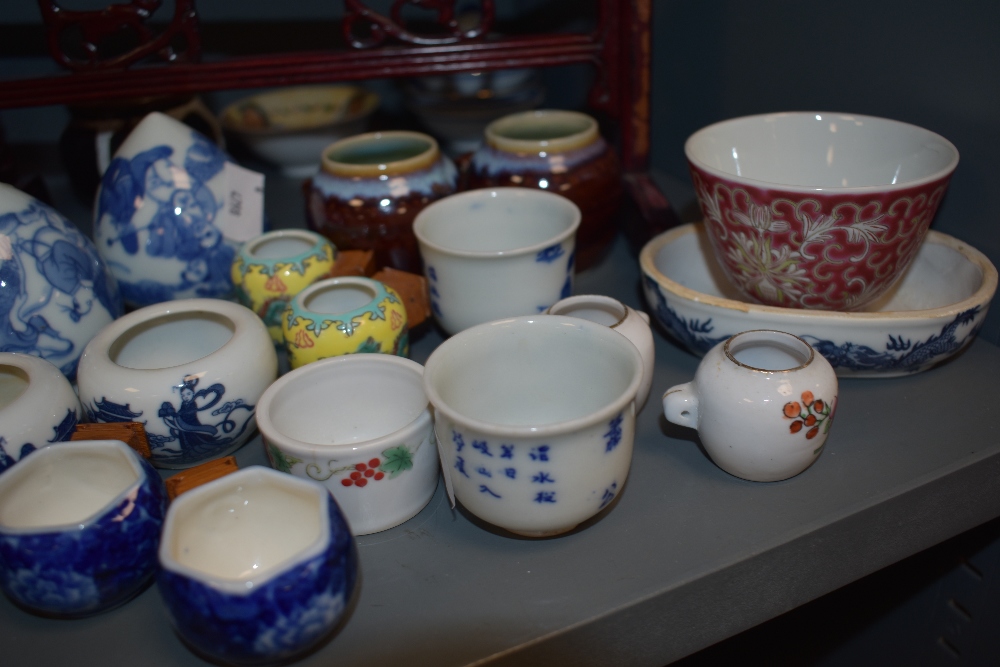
132,434
200,474
353,263
412,289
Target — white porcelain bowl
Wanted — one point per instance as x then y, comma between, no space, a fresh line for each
290,127
361,424
535,417
191,370
37,406
934,311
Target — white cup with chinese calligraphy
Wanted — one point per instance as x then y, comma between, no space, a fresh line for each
360,424
762,403
535,416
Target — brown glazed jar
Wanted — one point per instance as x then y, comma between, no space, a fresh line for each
558,151
370,188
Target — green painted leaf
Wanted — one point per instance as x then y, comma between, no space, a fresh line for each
370,345
397,460
279,461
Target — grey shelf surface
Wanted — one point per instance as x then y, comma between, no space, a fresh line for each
686,556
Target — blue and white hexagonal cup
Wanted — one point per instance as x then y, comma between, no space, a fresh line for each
79,527
256,567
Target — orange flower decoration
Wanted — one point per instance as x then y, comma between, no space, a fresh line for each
303,339
807,398
795,426
812,433
397,320
792,410
818,405
275,284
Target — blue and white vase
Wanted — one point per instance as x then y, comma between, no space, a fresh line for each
56,292
157,213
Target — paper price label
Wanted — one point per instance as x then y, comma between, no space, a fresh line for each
241,216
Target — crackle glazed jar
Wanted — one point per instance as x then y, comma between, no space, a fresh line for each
345,315
557,151
171,212
370,188
56,292
762,403
272,268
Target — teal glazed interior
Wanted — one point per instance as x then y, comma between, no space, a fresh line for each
379,151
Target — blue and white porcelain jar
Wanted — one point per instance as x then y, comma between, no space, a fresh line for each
157,215
190,370
56,293
79,527
37,406
256,567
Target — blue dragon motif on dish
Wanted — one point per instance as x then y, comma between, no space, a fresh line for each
181,227
899,355
694,334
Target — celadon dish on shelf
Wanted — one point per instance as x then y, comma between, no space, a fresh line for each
935,310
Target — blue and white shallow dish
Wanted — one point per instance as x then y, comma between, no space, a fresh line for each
37,406
79,527
935,310
156,215
56,292
256,567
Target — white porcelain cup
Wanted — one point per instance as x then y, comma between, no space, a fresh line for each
535,417
496,252
612,313
190,370
361,425
762,402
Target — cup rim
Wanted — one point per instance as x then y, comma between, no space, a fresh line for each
938,175
61,449
318,241
586,135
422,160
580,299
298,301
240,587
730,356
420,222
604,413
272,434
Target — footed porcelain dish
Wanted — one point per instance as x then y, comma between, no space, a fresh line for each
935,310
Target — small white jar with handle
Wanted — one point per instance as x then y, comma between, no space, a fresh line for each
762,402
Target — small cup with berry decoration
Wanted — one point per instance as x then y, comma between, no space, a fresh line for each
762,402
360,424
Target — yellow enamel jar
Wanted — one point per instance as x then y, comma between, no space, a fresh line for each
272,268
344,315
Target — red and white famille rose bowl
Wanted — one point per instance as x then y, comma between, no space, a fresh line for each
817,210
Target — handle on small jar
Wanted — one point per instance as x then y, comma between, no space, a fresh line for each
680,405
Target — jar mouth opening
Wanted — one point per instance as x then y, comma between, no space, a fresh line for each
171,340
769,351
554,130
385,150
14,382
281,245
337,297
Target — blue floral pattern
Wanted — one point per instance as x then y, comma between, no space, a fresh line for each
55,317
80,572
183,438
181,228
275,620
